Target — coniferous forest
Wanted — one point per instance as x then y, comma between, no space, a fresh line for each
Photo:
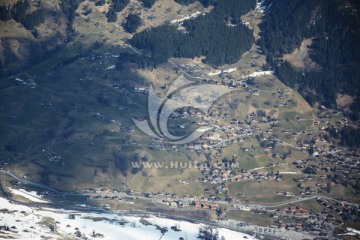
207,35
335,36
132,22
19,12
115,7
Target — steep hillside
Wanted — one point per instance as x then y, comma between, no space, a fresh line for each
201,36
35,29
313,46
31,30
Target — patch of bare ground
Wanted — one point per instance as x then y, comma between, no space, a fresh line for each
87,5
163,11
91,22
9,34
252,20
344,100
302,106
299,58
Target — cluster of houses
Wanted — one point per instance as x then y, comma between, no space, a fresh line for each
172,200
322,161
341,168
294,211
217,174
191,203
337,212
219,135
300,219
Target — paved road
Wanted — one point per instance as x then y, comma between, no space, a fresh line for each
159,200
306,199
185,73
25,181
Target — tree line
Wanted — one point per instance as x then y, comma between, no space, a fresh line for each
133,21
335,34
148,3
19,12
347,136
115,7
207,35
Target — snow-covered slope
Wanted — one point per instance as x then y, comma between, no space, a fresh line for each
25,222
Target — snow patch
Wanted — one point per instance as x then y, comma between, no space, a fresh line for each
32,222
194,15
229,70
32,196
259,73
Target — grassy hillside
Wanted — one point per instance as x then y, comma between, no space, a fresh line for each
313,48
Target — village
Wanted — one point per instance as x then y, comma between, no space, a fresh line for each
316,163
322,166
322,163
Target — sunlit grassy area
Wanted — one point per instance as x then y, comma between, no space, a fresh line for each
249,217
264,191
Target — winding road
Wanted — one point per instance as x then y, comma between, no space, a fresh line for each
159,200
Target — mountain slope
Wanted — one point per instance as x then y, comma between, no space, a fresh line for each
332,27
32,30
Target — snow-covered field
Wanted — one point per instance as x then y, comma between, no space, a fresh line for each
32,223
31,196
194,15
259,73
217,72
